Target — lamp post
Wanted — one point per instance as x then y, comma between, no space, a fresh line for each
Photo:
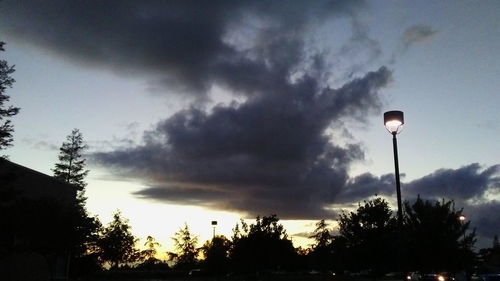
214,224
393,121
462,219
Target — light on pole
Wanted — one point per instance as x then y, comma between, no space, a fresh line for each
393,121
462,219
214,224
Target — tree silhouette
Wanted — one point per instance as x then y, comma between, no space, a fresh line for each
437,239
6,81
71,165
71,169
117,244
150,252
490,257
368,235
148,256
322,251
262,245
321,235
186,251
216,254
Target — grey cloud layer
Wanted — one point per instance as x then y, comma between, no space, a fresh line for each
469,182
266,155
183,44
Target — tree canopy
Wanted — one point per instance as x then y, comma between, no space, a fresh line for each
437,239
117,243
71,165
216,254
321,253
186,251
367,235
262,245
6,81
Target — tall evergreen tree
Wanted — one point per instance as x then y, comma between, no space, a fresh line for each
321,256
6,81
186,254
71,166
85,227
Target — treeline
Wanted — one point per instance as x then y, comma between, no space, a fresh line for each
369,240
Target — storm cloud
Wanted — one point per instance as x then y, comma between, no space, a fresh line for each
182,46
268,154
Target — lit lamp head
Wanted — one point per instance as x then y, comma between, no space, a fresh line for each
462,218
393,121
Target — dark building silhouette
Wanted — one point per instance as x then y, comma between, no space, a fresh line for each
22,188
30,184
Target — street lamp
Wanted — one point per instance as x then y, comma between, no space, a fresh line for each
462,219
393,121
214,224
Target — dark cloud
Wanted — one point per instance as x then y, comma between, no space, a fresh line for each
266,155
185,45
485,218
465,183
366,185
415,34
412,35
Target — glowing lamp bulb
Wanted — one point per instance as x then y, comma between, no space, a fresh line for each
393,121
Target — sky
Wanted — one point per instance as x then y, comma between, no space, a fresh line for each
218,110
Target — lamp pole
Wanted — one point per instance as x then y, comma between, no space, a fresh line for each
393,121
398,183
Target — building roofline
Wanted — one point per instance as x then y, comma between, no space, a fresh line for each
37,172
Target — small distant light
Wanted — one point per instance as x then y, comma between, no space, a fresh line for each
462,218
408,277
441,278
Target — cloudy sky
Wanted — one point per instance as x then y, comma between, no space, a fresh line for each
214,110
